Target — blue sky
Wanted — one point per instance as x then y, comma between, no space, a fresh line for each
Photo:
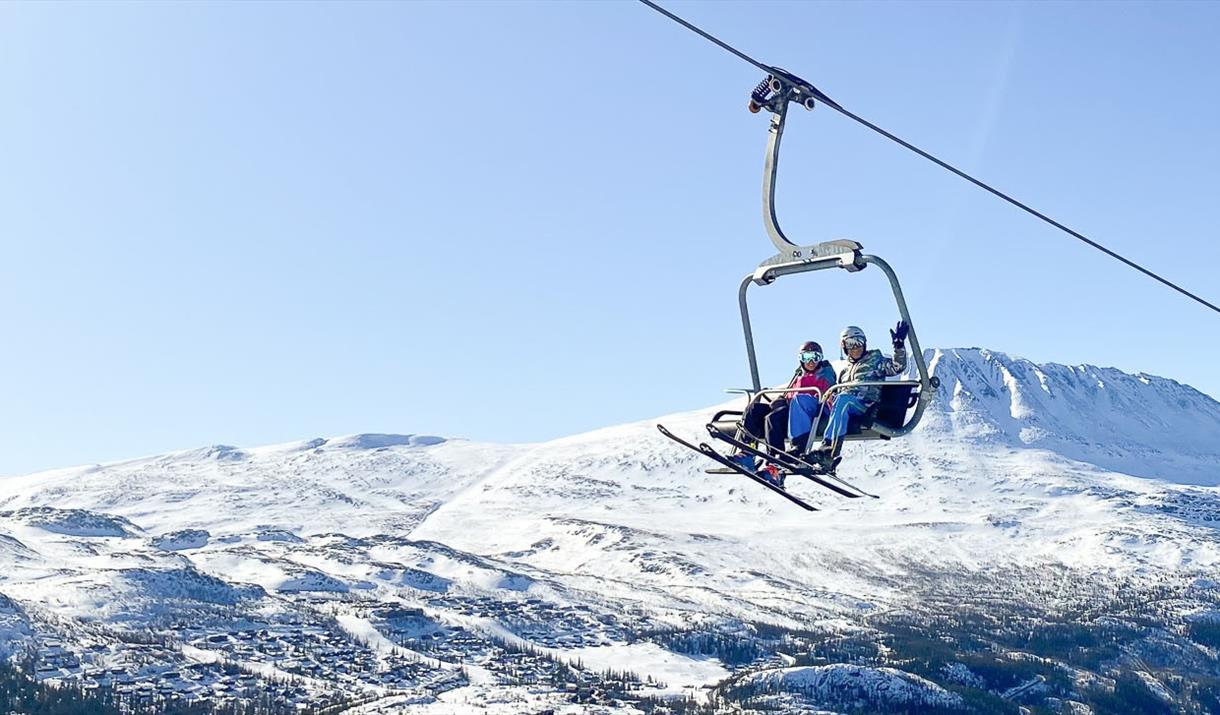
253,223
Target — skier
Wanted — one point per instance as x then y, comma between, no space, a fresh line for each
862,365
794,413
805,407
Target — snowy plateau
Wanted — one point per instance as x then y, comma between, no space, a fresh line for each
1048,540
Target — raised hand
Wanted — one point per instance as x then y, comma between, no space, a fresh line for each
899,333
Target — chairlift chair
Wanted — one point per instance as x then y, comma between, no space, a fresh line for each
893,415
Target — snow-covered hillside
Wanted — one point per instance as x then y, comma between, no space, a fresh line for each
1033,496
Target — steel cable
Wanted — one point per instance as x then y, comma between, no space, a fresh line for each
943,164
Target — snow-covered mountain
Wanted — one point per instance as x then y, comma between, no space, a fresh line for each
1048,535
1136,424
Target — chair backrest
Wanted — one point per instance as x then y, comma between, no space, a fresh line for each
895,401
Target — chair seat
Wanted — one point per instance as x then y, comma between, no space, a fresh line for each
890,411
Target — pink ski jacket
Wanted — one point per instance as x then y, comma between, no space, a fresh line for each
823,377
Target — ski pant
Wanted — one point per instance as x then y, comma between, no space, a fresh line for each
840,414
768,420
802,417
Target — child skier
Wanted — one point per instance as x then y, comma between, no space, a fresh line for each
795,413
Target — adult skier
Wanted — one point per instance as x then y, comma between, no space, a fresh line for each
794,413
862,365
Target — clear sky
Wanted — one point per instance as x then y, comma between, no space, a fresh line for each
248,223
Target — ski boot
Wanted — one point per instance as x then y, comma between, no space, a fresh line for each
797,446
745,461
772,474
827,457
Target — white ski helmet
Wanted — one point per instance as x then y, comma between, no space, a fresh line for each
852,331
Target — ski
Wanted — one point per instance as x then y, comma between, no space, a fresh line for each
795,465
798,466
704,449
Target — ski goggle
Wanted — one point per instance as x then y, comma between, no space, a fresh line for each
852,343
811,356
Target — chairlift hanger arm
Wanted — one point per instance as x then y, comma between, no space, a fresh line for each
774,94
776,135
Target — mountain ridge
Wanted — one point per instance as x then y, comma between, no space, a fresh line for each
1138,424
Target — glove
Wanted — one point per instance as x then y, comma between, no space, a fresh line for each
899,333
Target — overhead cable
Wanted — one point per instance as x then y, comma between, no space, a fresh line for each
943,164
